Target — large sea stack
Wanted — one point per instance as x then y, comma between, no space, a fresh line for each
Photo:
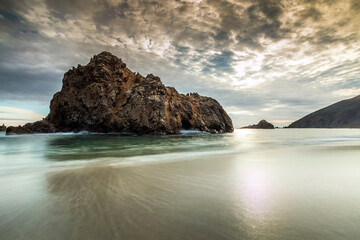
106,96
343,114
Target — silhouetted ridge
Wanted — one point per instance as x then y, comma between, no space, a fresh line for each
343,114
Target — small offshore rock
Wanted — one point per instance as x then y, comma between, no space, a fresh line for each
263,124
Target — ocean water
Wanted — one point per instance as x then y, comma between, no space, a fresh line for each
250,184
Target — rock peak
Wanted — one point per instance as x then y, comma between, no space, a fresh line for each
106,58
106,53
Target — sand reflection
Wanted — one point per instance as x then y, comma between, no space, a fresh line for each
165,201
253,188
99,202
255,192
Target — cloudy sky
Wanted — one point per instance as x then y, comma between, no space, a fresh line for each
261,59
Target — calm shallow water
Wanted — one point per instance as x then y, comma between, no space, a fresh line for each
251,184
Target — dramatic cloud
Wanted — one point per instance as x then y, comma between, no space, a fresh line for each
270,59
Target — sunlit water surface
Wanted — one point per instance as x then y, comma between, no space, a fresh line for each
251,184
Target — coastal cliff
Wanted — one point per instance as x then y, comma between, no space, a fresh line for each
343,114
106,96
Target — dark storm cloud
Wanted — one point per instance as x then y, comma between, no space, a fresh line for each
328,36
107,14
270,8
230,14
22,84
222,36
11,17
249,24
19,76
10,7
66,7
189,34
268,26
312,12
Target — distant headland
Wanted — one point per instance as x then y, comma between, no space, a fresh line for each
105,96
343,114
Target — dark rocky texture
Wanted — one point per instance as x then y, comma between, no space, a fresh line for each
263,124
343,114
3,128
37,127
105,96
